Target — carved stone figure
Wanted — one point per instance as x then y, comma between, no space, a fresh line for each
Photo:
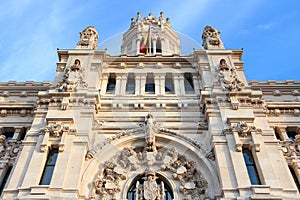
76,66
72,79
88,38
161,18
211,38
223,65
150,130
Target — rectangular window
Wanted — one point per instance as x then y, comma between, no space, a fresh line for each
49,167
111,84
291,133
169,85
188,83
150,85
251,168
295,178
130,85
9,133
5,179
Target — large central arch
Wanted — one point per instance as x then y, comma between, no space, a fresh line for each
116,163
106,161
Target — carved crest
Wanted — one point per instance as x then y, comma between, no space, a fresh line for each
228,77
88,38
211,38
72,79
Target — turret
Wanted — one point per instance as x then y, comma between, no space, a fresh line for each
150,36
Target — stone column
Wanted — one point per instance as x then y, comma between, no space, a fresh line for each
104,81
157,84
137,84
181,84
17,135
143,84
123,84
176,85
162,84
154,46
118,84
196,85
282,133
138,44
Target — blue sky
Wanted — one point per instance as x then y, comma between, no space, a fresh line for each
31,30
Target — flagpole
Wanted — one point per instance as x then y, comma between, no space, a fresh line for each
149,39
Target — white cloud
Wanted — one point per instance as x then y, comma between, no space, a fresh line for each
266,26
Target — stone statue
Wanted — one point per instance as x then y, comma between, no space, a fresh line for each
150,130
161,18
211,38
139,17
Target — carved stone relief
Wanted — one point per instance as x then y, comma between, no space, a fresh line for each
58,128
242,130
291,148
9,149
108,182
228,77
72,79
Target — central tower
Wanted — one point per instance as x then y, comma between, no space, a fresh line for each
150,36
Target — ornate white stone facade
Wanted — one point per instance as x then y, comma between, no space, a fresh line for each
156,126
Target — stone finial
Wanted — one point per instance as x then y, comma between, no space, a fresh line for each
88,38
211,38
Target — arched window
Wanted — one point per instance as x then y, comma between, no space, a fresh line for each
141,181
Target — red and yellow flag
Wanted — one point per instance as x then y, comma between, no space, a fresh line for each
144,46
